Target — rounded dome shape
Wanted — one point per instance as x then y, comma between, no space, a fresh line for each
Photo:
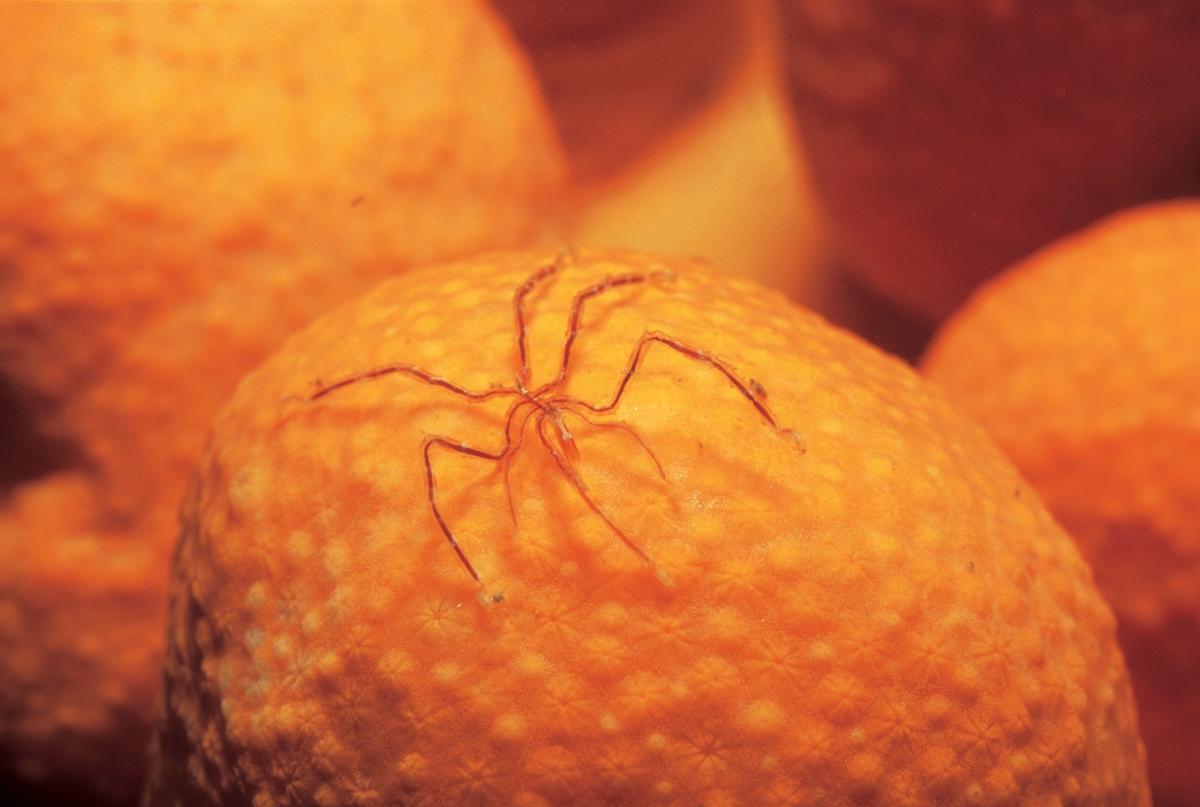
951,138
1083,362
725,554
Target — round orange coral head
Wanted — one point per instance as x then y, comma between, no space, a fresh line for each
950,138
181,185
713,552
1084,363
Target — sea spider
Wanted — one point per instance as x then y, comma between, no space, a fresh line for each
548,406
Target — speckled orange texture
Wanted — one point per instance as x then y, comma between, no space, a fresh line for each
182,185
1084,363
81,625
887,617
177,175
951,138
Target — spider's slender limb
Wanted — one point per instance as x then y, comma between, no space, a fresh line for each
577,482
575,318
531,282
569,404
427,447
513,447
413,372
745,388
566,440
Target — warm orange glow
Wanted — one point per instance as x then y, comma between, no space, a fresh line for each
950,139
1084,363
620,74
181,185
729,186
876,610
587,504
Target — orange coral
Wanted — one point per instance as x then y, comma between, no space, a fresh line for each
622,73
950,139
1084,363
882,614
180,186
736,154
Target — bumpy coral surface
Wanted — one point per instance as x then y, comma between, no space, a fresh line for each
178,173
951,138
181,185
846,594
1084,363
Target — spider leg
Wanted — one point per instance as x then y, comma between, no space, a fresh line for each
566,440
569,404
427,447
413,372
503,456
577,482
531,282
506,462
746,388
575,318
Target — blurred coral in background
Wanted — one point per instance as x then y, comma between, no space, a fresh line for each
621,74
184,185
181,185
950,138
726,184
723,177
1083,362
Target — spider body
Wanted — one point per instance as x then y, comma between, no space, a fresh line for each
549,406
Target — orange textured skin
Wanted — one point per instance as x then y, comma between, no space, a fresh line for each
621,74
181,185
888,616
1084,363
152,213
950,139
81,634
